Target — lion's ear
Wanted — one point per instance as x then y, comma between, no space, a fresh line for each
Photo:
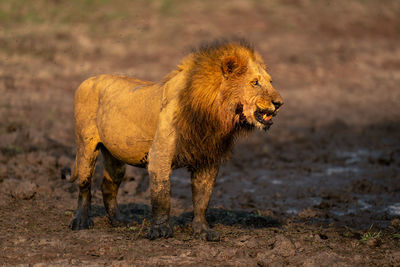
232,65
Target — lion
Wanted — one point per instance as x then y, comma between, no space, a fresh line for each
189,119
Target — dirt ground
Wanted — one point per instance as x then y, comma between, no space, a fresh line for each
320,188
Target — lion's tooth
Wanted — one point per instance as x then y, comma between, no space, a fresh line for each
266,117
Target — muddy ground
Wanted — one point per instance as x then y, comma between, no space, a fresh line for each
321,188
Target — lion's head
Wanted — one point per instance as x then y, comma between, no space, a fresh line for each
247,85
227,89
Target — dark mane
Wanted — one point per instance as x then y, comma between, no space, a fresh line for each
208,120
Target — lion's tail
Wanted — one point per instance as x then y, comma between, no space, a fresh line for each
66,174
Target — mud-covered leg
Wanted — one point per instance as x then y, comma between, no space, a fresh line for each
114,171
202,186
160,157
160,203
85,164
159,170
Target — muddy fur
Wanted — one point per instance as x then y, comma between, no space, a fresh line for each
190,119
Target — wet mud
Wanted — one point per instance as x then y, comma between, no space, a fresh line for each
320,188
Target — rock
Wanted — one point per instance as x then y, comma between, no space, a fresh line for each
252,243
396,223
374,242
283,246
25,190
20,189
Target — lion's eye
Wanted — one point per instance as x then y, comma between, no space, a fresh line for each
255,83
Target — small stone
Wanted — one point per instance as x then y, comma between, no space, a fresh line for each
396,223
283,246
22,190
251,243
374,242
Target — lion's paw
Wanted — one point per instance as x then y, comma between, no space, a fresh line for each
204,232
208,235
118,221
160,230
81,223
212,235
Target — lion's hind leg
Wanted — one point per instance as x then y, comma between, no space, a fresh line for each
85,163
114,171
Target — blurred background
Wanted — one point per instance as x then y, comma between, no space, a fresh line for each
333,154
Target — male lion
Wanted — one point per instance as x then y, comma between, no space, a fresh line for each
190,119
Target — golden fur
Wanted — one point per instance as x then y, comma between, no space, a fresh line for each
190,119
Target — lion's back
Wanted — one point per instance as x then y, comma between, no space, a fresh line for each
120,111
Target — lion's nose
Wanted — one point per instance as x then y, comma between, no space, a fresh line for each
277,103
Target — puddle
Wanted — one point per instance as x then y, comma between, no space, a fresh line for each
338,213
363,205
394,209
292,211
276,182
340,169
354,157
315,201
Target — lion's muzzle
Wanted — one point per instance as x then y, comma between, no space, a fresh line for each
264,116
266,110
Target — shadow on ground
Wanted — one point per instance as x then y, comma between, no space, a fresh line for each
138,212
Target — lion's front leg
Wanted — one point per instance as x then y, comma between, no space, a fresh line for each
160,157
160,202
202,186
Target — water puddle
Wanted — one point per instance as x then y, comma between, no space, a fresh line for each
394,209
352,157
340,169
276,182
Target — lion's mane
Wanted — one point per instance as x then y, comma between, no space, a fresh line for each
209,117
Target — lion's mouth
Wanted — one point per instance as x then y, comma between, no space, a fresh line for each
264,117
